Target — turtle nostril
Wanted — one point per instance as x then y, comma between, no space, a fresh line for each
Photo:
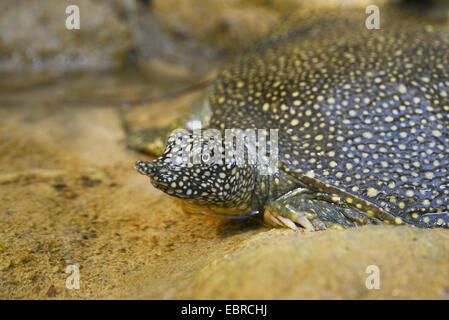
144,167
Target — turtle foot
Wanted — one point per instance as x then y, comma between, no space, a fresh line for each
304,209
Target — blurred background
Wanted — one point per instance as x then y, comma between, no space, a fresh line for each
183,39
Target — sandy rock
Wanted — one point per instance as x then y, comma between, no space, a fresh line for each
283,264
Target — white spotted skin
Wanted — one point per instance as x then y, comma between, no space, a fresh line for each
360,113
363,115
225,186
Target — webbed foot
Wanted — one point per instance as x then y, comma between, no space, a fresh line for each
150,141
302,208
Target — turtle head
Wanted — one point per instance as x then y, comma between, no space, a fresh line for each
198,174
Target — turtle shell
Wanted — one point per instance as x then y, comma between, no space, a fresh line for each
361,113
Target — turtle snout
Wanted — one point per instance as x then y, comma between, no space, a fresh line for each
145,167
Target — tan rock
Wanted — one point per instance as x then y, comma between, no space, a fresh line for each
283,264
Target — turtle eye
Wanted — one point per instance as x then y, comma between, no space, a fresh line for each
205,157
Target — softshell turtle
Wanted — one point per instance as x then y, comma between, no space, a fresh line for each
362,118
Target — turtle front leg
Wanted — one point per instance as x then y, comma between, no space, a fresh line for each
151,141
303,208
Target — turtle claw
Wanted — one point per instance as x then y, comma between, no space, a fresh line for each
293,220
274,220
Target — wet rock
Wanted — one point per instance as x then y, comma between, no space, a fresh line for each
36,46
230,25
34,37
166,36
